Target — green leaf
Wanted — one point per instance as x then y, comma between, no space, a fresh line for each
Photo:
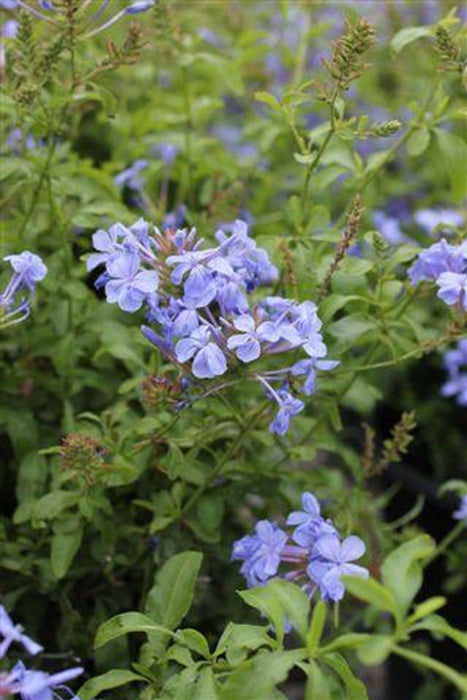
238,640
355,688
402,571
315,632
257,678
407,36
268,99
125,623
54,503
265,600
64,547
418,142
453,152
375,650
171,596
108,681
205,688
371,591
317,685
439,626
294,602
426,608
194,640
346,641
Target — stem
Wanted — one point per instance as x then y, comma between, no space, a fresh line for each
234,446
446,542
434,665
37,191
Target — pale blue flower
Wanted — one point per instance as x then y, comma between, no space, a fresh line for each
310,525
461,512
261,552
9,633
333,559
208,359
247,344
288,408
128,285
453,288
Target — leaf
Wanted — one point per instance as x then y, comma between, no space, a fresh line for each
346,641
317,684
402,571
438,625
264,600
355,688
294,602
194,640
256,679
125,623
64,547
375,650
54,503
418,142
351,327
171,596
107,681
205,688
315,632
268,99
407,36
453,152
371,591
238,640
426,608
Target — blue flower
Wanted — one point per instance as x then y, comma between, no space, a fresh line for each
453,288
208,359
130,177
432,219
9,633
461,512
247,344
261,552
308,369
438,258
333,559
38,685
129,285
390,228
167,152
141,6
455,362
29,269
310,524
195,269
288,408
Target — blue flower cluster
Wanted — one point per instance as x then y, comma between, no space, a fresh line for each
198,308
313,550
24,683
28,269
455,362
432,220
446,264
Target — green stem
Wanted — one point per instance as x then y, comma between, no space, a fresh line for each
234,446
450,674
37,191
446,542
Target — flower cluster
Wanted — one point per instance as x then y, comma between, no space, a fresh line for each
24,683
28,269
446,264
313,550
455,362
198,308
432,220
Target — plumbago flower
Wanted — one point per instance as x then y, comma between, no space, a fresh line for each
28,269
455,363
29,684
446,264
199,308
313,552
461,512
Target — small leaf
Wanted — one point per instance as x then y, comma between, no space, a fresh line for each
407,35
426,608
107,681
257,678
268,99
371,591
402,571
317,684
376,650
125,623
194,640
64,547
418,141
355,688
315,632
